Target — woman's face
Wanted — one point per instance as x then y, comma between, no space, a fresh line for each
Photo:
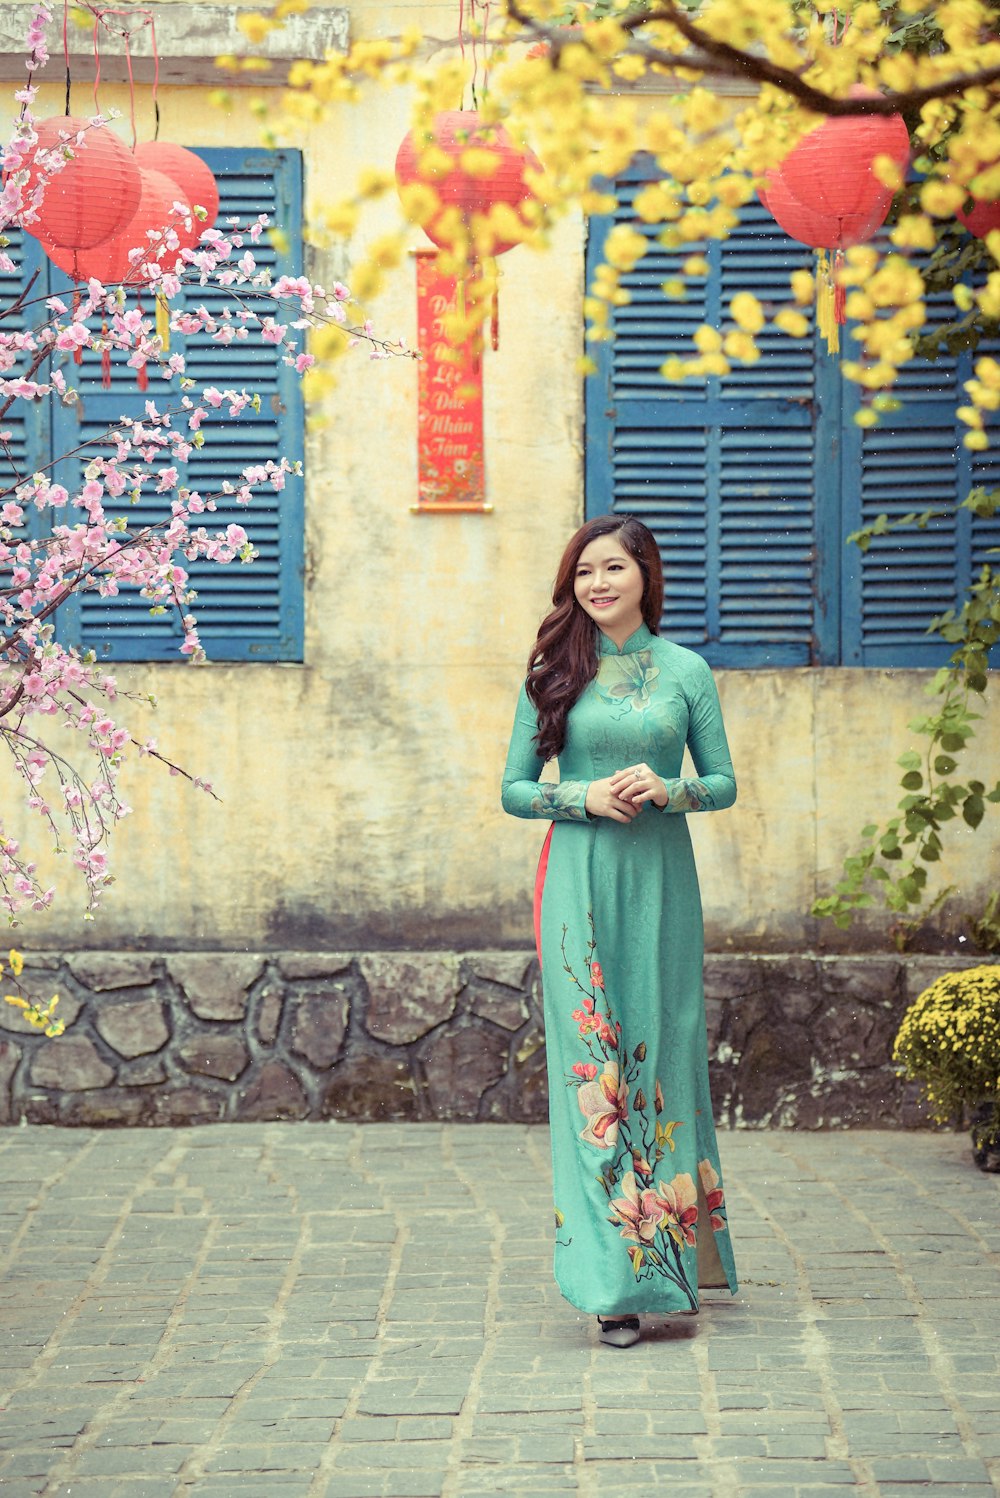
609,586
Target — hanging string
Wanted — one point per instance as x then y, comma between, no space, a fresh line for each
131,87
66,51
461,47
480,42
97,62
126,32
156,76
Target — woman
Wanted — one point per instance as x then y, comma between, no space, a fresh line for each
640,1214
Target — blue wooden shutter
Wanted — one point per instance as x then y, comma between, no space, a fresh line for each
244,612
26,421
734,476
914,460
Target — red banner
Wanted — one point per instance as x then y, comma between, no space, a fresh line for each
450,474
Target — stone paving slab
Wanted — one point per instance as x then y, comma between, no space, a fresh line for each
367,1311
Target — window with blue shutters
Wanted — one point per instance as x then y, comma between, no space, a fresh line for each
752,482
244,612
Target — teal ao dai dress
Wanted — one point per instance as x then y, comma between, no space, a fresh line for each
640,1209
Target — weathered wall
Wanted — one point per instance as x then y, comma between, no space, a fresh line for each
159,1038
360,788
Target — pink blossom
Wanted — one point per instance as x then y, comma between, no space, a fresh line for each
639,1211
604,1104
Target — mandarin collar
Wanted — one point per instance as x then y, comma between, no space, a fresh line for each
637,641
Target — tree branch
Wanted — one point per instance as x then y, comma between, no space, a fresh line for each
720,59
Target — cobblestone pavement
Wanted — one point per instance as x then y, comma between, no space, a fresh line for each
333,1311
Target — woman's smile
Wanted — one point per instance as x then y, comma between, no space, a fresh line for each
609,586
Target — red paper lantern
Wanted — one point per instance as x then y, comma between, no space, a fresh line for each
812,226
109,262
93,195
982,219
454,132
193,177
825,192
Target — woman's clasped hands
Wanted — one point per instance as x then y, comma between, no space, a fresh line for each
621,796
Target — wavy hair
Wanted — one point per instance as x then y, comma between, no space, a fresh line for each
564,656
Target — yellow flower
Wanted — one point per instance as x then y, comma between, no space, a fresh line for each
914,231
420,202
942,199
987,370
803,286
747,312
707,340
740,346
655,202
254,26
630,67
625,247
795,324
16,962
888,171
341,218
373,182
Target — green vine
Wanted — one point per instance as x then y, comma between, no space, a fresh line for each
891,865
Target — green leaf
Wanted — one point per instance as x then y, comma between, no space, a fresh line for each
973,810
912,781
909,761
953,743
944,764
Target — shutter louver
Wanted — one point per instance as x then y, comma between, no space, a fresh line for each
908,576
25,427
724,472
244,612
914,460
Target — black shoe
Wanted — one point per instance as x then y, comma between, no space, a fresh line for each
619,1331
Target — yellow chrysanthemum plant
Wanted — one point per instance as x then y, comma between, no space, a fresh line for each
40,1016
949,1042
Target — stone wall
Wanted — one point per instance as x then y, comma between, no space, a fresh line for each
799,1041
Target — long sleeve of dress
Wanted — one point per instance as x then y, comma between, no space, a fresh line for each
522,794
715,786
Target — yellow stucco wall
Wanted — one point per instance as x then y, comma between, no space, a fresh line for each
360,788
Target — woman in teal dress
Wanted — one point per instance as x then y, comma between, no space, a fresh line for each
640,1211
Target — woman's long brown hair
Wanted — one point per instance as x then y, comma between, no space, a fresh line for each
564,656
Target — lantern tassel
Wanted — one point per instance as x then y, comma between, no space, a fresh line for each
78,351
826,310
141,374
105,358
163,322
839,290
